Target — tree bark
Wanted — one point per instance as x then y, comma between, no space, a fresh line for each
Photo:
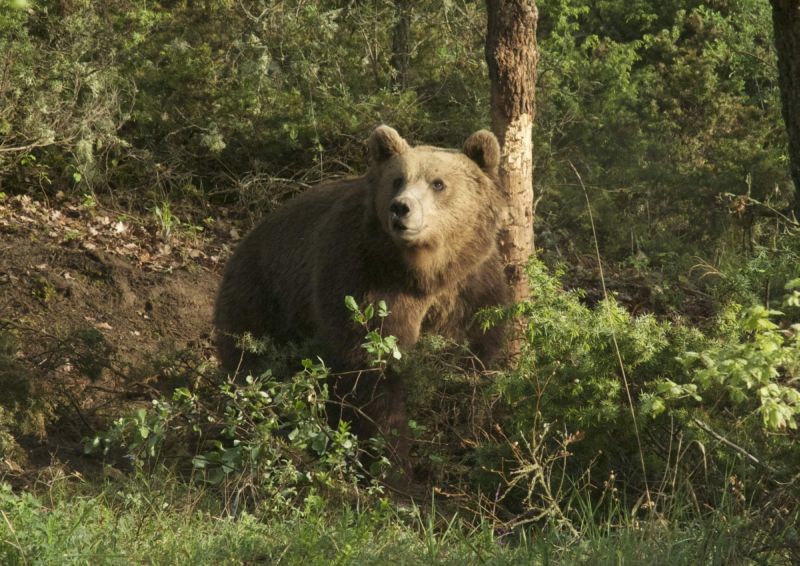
401,43
786,24
512,55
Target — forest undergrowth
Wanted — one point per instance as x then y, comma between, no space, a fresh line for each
123,414
651,415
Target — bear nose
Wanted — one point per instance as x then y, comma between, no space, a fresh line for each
399,208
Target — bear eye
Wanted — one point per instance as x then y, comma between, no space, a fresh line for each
438,185
397,183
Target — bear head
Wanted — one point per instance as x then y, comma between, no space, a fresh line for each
438,206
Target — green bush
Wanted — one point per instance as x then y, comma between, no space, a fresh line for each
260,431
597,393
173,100
663,110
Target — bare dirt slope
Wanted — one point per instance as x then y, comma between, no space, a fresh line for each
97,310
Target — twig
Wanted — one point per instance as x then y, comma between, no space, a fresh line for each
753,202
733,446
14,533
26,147
78,410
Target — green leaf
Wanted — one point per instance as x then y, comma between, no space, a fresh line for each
320,443
793,284
215,476
657,407
351,304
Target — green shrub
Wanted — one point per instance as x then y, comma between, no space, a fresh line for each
261,431
597,393
757,365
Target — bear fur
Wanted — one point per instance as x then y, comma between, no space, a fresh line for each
419,231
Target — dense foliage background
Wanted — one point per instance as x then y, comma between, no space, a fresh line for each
675,390
664,107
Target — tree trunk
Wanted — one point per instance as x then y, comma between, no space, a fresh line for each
401,40
512,55
786,24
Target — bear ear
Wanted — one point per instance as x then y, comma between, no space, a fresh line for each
383,143
482,147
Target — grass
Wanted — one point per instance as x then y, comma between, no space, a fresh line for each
164,521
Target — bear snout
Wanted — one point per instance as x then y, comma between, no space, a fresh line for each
399,208
405,216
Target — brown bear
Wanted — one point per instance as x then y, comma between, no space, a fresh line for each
419,231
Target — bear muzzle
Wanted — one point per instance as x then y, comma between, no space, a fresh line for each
406,218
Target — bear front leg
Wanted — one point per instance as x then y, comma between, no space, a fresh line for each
384,416
380,392
373,402
406,314
486,288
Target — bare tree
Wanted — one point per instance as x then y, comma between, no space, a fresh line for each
786,24
512,55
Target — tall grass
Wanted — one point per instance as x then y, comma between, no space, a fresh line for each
161,520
